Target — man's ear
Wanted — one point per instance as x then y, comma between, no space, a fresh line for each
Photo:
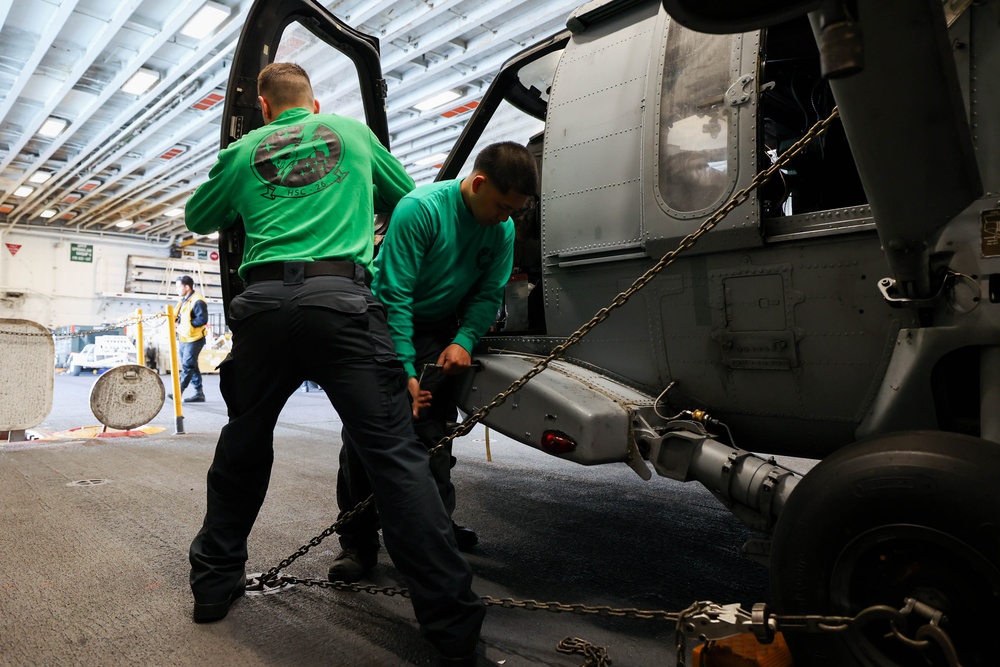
265,109
477,182
315,106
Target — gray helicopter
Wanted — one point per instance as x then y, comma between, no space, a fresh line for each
847,309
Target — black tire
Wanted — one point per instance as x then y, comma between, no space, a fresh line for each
904,515
74,370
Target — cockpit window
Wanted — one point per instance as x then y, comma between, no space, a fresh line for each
519,114
535,80
695,121
509,123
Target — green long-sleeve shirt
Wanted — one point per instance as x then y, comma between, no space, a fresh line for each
307,187
436,260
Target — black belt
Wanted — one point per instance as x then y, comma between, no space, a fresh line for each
294,273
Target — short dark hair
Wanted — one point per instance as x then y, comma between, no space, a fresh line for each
186,280
509,166
285,85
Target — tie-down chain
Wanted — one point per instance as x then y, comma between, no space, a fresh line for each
90,332
705,621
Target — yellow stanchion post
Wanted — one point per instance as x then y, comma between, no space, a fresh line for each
489,457
174,375
140,356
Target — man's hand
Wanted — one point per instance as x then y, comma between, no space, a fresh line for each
421,399
454,359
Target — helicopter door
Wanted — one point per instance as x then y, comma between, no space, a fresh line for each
342,63
700,143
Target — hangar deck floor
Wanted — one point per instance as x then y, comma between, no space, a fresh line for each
96,573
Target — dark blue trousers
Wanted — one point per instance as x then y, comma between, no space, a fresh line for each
189,364
331,330
361,532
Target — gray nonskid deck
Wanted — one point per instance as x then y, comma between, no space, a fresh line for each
96,574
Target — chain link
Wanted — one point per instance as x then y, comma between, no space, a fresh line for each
581,609
371,589
81,334
597,655
680,637
594,656
272,574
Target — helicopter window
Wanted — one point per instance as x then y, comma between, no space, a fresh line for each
535,80
694,119
520,114
507,124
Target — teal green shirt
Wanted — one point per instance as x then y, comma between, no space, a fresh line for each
307,187
436,260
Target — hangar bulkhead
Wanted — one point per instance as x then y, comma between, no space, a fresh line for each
739,402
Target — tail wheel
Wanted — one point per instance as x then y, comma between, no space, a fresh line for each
909,515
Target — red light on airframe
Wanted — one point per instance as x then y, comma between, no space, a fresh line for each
557,442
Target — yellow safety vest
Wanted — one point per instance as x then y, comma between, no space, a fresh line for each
185,332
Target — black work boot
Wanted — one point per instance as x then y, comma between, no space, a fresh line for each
351,565
466,538
209,612
475,659
197,398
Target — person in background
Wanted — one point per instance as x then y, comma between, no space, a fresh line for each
441,272
307,186
191,319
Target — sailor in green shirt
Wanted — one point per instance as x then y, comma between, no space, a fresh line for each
306,186
441,272
273,177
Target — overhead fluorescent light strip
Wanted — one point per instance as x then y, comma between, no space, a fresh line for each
52,127
205,21
438,100
141,81
431,159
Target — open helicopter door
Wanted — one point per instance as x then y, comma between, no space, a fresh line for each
342,63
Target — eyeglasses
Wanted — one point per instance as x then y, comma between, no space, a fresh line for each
527,208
